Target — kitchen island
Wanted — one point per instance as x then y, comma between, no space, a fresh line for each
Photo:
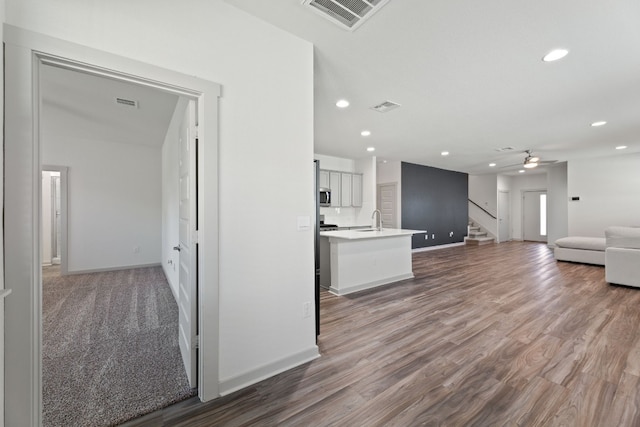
354,260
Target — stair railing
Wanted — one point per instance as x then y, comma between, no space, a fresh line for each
482,209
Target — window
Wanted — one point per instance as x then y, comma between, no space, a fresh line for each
543,214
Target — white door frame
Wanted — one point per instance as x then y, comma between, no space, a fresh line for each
25,53
64,194
522,209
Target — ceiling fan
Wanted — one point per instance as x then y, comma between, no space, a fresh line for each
531,161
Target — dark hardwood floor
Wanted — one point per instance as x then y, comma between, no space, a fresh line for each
482,336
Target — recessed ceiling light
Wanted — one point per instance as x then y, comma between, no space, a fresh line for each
600,123
491,165
555,54
621,147
371,149
384,161
521,171
444,153
342,103
365,133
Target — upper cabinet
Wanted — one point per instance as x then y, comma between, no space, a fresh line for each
346,188
356,190
334,185
323,179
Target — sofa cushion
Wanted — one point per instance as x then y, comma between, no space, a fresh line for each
585,243
623,237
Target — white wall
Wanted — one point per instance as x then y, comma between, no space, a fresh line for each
557,203
265,143
367,167
483,190
389,173
170,198
2,388
519,184
609,190
114,201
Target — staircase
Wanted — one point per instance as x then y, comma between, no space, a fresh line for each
477,236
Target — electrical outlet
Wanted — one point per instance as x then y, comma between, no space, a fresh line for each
306,309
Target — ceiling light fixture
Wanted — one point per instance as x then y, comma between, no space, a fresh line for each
621,147
365,133
555,54
444,153
492,165
600,123
531,161
342,103
521,171
371,149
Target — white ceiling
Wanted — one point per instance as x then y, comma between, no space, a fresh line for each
82,106
470,79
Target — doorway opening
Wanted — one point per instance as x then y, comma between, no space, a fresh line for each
112,304
26,54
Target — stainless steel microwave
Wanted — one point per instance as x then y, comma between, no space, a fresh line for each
324,196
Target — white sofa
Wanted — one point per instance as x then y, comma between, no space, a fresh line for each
588,250
622,255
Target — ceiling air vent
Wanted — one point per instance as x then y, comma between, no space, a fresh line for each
385,106
127,102
503,149
348,14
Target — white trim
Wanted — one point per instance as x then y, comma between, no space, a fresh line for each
107,269
25,53
433,248
241,381
64,212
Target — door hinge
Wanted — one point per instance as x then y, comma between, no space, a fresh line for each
196,237
196,130
196,342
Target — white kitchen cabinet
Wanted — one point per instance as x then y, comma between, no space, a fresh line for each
345,189
356,190
323,179
335,186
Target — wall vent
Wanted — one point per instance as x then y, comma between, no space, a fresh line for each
347,14
385,106
127,102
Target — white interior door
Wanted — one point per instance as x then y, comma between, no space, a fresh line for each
187,295
387,205
504,216
534,216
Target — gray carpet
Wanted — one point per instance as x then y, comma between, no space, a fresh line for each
110,347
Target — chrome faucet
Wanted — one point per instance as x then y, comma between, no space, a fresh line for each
378,223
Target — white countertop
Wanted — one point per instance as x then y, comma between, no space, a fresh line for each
367,234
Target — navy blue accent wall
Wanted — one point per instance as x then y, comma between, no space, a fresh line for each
434,200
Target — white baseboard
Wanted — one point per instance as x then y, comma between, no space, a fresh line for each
254,376
125,267
370,285
434,248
